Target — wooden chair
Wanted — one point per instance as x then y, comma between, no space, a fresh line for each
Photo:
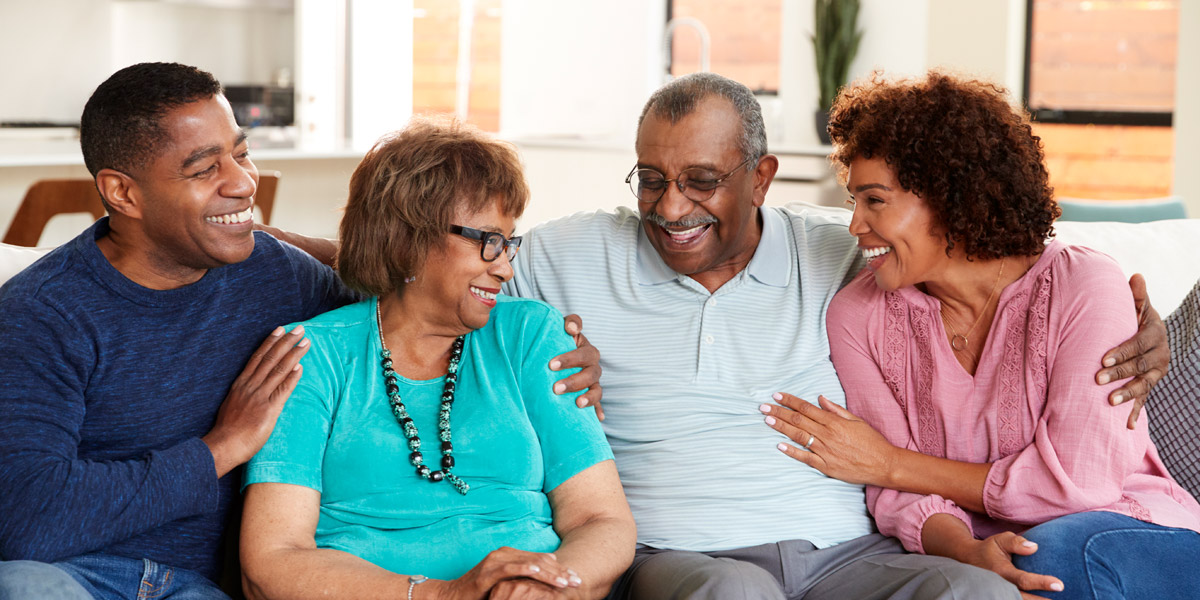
47,198
50,197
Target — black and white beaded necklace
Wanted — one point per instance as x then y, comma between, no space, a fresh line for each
406,422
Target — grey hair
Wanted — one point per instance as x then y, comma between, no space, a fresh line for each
679,98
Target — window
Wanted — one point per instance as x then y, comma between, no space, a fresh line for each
744,40
1104,62
1100,84
444,81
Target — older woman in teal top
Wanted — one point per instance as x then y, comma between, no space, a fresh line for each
422,454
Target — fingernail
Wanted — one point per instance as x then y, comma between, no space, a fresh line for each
297,367
1103,378
561,581
278,331
559,388
304,342
1110,361
770,420
581,403
1029,544
764,408
555,365
1117,398
1056,586
535,569
782,446
299,330
576,581
777,396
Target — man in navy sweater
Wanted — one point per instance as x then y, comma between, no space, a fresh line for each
122,385
133,372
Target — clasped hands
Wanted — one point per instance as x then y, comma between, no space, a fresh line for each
507,573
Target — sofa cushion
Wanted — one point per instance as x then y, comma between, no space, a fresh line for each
15,258
1163,251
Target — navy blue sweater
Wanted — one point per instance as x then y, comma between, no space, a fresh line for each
106,388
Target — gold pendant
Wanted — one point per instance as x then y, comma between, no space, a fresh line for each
958,342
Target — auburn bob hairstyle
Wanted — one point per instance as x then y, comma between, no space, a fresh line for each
406,191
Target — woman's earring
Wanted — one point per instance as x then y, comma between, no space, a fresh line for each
410,279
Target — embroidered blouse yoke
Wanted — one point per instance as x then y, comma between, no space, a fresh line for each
1032,409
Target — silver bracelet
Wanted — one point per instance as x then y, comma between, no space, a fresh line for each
413,580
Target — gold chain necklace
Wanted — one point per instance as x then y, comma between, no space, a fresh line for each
960,342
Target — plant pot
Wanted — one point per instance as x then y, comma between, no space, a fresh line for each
821,119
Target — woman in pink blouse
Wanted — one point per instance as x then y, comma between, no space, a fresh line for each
968,338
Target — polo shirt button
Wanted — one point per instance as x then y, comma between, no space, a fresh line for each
712,302
708,339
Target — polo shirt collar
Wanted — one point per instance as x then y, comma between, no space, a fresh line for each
770,264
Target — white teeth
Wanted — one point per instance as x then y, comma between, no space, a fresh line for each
870,253
483,294
687,231
232,218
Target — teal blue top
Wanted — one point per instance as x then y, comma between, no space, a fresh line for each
514,441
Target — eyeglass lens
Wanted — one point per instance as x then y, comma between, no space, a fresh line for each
494,244
697,185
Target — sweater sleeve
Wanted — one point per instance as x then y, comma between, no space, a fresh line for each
56,505
850,321
1082,453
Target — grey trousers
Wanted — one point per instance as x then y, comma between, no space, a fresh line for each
869,567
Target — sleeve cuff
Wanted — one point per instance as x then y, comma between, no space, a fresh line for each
927,507
993,487
575,463
193,457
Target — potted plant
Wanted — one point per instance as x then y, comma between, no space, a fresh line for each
835,42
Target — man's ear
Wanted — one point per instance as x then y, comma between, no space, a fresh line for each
120,192
764,174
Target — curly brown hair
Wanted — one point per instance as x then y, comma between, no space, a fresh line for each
404,194
962,148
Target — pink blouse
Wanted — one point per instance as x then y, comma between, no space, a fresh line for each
1032,409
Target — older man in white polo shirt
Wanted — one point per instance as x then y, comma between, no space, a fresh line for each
704,303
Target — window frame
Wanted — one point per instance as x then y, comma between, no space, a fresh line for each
1081,117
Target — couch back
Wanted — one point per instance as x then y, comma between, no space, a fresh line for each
1163,251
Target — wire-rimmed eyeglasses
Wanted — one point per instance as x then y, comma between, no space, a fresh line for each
696,184
491,244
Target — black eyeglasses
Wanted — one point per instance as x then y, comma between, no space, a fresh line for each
491,243
696,184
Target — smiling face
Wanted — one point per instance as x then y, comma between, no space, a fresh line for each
897,232
196,196
710,241
455,281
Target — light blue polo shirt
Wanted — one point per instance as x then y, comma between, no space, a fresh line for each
514,441
685,371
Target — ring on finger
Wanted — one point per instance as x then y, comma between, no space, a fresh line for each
809,443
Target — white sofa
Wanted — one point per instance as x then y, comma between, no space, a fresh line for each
1165,252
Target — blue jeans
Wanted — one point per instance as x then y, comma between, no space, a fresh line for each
1103,555
103,577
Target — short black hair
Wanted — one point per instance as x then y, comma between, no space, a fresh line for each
121,127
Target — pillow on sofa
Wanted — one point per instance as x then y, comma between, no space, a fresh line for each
13,259
1163,251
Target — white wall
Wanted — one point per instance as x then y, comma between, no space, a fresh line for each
1187,108
580,69
55,53
237,45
